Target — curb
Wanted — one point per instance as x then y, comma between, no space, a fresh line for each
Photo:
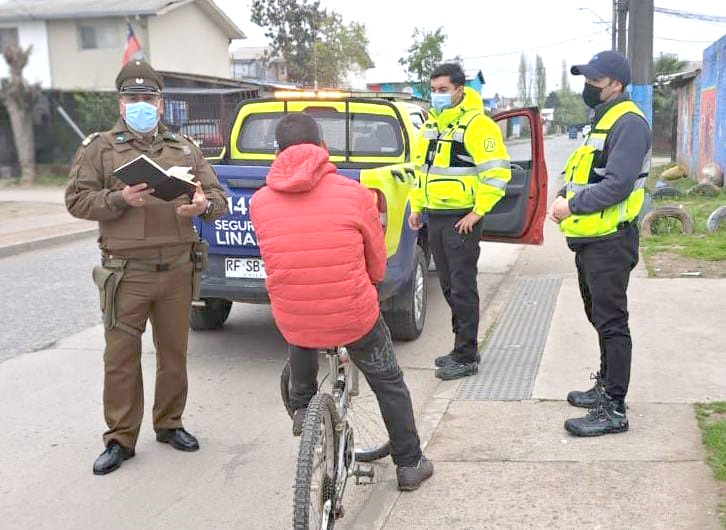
45,242
379,503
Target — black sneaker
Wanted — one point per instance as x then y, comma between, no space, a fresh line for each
456,370
444,360
588,398
411,477
298,419
606,417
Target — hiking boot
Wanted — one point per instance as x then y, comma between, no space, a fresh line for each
411,477
298,419
444,360
588,398
606,417
456,370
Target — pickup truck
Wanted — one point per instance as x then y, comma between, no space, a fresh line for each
370,139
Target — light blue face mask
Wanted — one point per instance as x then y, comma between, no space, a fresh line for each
440,101
141,116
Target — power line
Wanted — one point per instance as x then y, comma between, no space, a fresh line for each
588,36
682,40
688,15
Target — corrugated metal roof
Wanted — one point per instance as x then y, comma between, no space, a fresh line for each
25,10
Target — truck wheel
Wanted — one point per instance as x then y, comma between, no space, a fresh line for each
408,308
211,316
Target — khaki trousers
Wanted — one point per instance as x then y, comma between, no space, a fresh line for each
164,298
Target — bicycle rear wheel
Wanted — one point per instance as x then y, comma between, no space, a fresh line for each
315,476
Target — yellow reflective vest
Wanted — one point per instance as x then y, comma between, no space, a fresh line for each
461,161
580,172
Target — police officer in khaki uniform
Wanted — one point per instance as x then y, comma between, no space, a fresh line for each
148,247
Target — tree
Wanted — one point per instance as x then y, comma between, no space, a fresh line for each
522,87
570,108
565,81
423,56
552,101
663,95
316,44
664,101
340,50
667,63
19,98
541,82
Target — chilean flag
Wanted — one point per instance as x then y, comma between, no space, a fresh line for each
133,48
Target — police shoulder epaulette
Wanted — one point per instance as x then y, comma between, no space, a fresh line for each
88,139
192,140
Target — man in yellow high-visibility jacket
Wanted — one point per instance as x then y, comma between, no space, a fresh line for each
462,172
597,210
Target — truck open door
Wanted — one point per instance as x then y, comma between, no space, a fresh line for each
519,216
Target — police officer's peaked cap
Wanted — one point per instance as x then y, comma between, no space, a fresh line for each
138,77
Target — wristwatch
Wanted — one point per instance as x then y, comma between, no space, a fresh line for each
210,208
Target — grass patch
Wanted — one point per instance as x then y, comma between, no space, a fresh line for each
51,179
702,244
712,420
41,179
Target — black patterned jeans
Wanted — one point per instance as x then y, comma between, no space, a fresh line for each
374,357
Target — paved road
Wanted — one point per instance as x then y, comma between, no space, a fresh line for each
50,402
46,295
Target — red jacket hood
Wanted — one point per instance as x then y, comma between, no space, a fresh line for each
299,168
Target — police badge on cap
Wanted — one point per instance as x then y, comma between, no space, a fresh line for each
138,77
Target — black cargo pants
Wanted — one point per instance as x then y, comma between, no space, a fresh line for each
603,270
456,256
374,357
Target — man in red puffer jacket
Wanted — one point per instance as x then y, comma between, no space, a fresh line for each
322,244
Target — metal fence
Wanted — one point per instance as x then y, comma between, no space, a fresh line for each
61,119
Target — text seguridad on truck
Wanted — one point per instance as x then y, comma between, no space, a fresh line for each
370,139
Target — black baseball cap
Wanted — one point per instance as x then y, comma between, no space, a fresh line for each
138,77
609,63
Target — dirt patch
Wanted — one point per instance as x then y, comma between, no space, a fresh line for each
672,265
18,210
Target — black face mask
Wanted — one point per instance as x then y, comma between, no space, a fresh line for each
591,95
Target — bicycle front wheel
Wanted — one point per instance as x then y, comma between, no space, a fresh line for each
315,478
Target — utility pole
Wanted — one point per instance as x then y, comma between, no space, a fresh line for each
622,26
640,54
614,25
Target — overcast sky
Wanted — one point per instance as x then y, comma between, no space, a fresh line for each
491,38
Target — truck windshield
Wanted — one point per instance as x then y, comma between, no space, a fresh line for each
370,134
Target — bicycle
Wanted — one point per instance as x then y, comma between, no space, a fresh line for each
329,452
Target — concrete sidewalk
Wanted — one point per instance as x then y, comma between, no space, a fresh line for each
511,464
36,217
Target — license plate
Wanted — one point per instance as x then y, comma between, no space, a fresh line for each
244,268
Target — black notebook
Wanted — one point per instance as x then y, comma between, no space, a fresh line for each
168,184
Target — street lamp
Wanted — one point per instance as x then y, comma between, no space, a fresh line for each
611,25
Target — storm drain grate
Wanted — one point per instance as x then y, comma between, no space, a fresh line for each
511,357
